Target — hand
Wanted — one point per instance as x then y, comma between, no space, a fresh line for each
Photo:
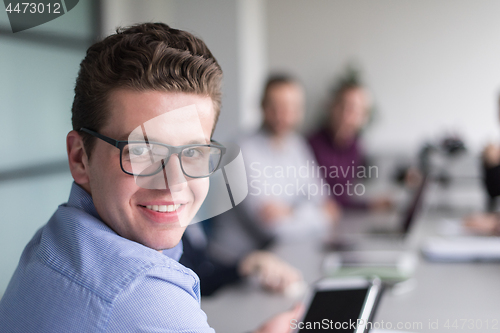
333,210
484,224
491,155
413,177
282,323
272,272
381,204
272,212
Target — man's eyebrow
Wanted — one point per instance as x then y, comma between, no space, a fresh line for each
137,137
125,137
153,139
198,142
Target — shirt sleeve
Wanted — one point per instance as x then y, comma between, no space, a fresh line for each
163,300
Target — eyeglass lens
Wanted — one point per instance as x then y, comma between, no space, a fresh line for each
145,159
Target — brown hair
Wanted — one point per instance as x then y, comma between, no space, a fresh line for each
148,56
273,80
350,80
339,93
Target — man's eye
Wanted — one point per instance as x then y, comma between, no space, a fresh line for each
138,151
192,153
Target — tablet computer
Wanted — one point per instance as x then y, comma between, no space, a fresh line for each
343,305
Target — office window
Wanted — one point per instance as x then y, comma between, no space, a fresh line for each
38,69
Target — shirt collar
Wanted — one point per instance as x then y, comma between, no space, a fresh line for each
81,199
175,252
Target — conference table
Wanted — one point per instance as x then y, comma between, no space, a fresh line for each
441,297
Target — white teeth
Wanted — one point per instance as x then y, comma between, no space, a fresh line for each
163,208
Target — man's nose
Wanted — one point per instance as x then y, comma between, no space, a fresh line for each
173,177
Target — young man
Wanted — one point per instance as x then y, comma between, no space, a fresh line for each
146,104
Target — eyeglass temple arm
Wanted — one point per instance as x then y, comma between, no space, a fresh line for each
228,187
102,137
221,167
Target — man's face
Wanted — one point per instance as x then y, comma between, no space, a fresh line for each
284,107
351,113
133,211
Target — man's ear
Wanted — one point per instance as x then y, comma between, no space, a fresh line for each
77,158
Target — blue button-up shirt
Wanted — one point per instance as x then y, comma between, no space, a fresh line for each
78,275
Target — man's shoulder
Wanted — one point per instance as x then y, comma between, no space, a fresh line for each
318,138
87,252
75,267
297,138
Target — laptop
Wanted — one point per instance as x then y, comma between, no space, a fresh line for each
408,216
388,259
396,225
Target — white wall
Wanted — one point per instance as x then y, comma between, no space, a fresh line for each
253,55
432,66
120,13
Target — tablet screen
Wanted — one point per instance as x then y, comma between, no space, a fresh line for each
334,310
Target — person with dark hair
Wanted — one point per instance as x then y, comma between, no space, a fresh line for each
146,104
338,149
286,199
489,223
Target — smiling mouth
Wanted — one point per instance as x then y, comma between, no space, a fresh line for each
163,208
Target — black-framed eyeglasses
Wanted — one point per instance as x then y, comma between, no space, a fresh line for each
147,158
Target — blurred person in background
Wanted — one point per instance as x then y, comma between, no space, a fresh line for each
338,149
286,199
489,223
